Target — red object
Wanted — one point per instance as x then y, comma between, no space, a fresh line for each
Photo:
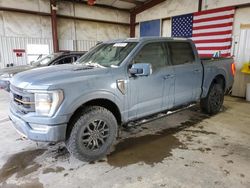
19,54
91,2
233,69
19,50
212,31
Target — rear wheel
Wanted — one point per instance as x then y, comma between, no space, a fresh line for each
93,134
214,100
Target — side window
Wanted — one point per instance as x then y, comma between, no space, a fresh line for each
65,60
181,52
153,53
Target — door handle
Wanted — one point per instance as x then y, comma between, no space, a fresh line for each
197,70
168,76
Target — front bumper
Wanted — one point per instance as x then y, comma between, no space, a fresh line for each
52,133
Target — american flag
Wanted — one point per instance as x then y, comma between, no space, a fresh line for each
211,30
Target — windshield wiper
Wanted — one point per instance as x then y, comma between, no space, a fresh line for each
94,65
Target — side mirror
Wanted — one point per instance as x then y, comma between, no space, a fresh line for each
141,69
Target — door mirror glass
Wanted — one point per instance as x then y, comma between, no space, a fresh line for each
141,69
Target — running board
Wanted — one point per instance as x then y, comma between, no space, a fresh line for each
155,117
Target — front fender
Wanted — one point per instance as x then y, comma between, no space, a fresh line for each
86,97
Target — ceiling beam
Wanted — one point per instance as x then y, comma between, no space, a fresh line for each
134,2
147,5
96,5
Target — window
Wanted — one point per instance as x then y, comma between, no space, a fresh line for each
108,54
181,53
153,53
64,60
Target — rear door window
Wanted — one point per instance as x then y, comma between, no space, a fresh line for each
181,53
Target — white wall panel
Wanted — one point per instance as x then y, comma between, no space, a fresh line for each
20,24
166,28
1,24
107,32
137,31
167,9
45,24
21,4
93,12
123,31
66,29
65,8
210,4
86,30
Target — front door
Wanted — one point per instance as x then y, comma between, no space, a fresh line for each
147,93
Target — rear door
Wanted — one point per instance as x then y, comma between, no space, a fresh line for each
188,72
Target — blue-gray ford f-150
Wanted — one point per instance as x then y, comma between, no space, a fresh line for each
115,83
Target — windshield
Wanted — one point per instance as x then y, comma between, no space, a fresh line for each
108,54
47,59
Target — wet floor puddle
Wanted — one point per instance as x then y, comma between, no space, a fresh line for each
149,149
153,148
32,184
20,164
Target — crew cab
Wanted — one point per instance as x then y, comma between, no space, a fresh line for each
115,83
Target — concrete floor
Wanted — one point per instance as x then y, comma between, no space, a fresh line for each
202,152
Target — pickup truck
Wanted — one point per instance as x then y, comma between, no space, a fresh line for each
53,59
115,83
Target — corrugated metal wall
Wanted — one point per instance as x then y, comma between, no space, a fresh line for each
7,44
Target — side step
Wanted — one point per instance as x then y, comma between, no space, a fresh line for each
155,117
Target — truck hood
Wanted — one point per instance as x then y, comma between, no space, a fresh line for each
15,69
52,76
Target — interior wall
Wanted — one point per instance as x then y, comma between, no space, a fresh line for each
33,26
166,28
211,4
167,9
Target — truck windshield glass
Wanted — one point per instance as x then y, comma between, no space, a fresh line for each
107,55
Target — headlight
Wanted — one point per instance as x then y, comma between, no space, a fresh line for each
46,103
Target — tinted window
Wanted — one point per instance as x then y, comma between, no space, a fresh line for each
181,52
65,60
153,53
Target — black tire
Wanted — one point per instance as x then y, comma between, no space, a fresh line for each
214,100
93,134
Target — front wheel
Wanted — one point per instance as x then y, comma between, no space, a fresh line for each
214,100
93,134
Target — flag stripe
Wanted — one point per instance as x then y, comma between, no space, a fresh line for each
213,33
229,28
229,12
212,37
213,11
213,18
213,41
213,26
215,44
213,22
215,48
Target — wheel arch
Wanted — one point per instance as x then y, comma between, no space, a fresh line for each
103,102
219,78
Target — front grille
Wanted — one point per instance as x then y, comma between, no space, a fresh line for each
21,100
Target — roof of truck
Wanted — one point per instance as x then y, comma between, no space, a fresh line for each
144,39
